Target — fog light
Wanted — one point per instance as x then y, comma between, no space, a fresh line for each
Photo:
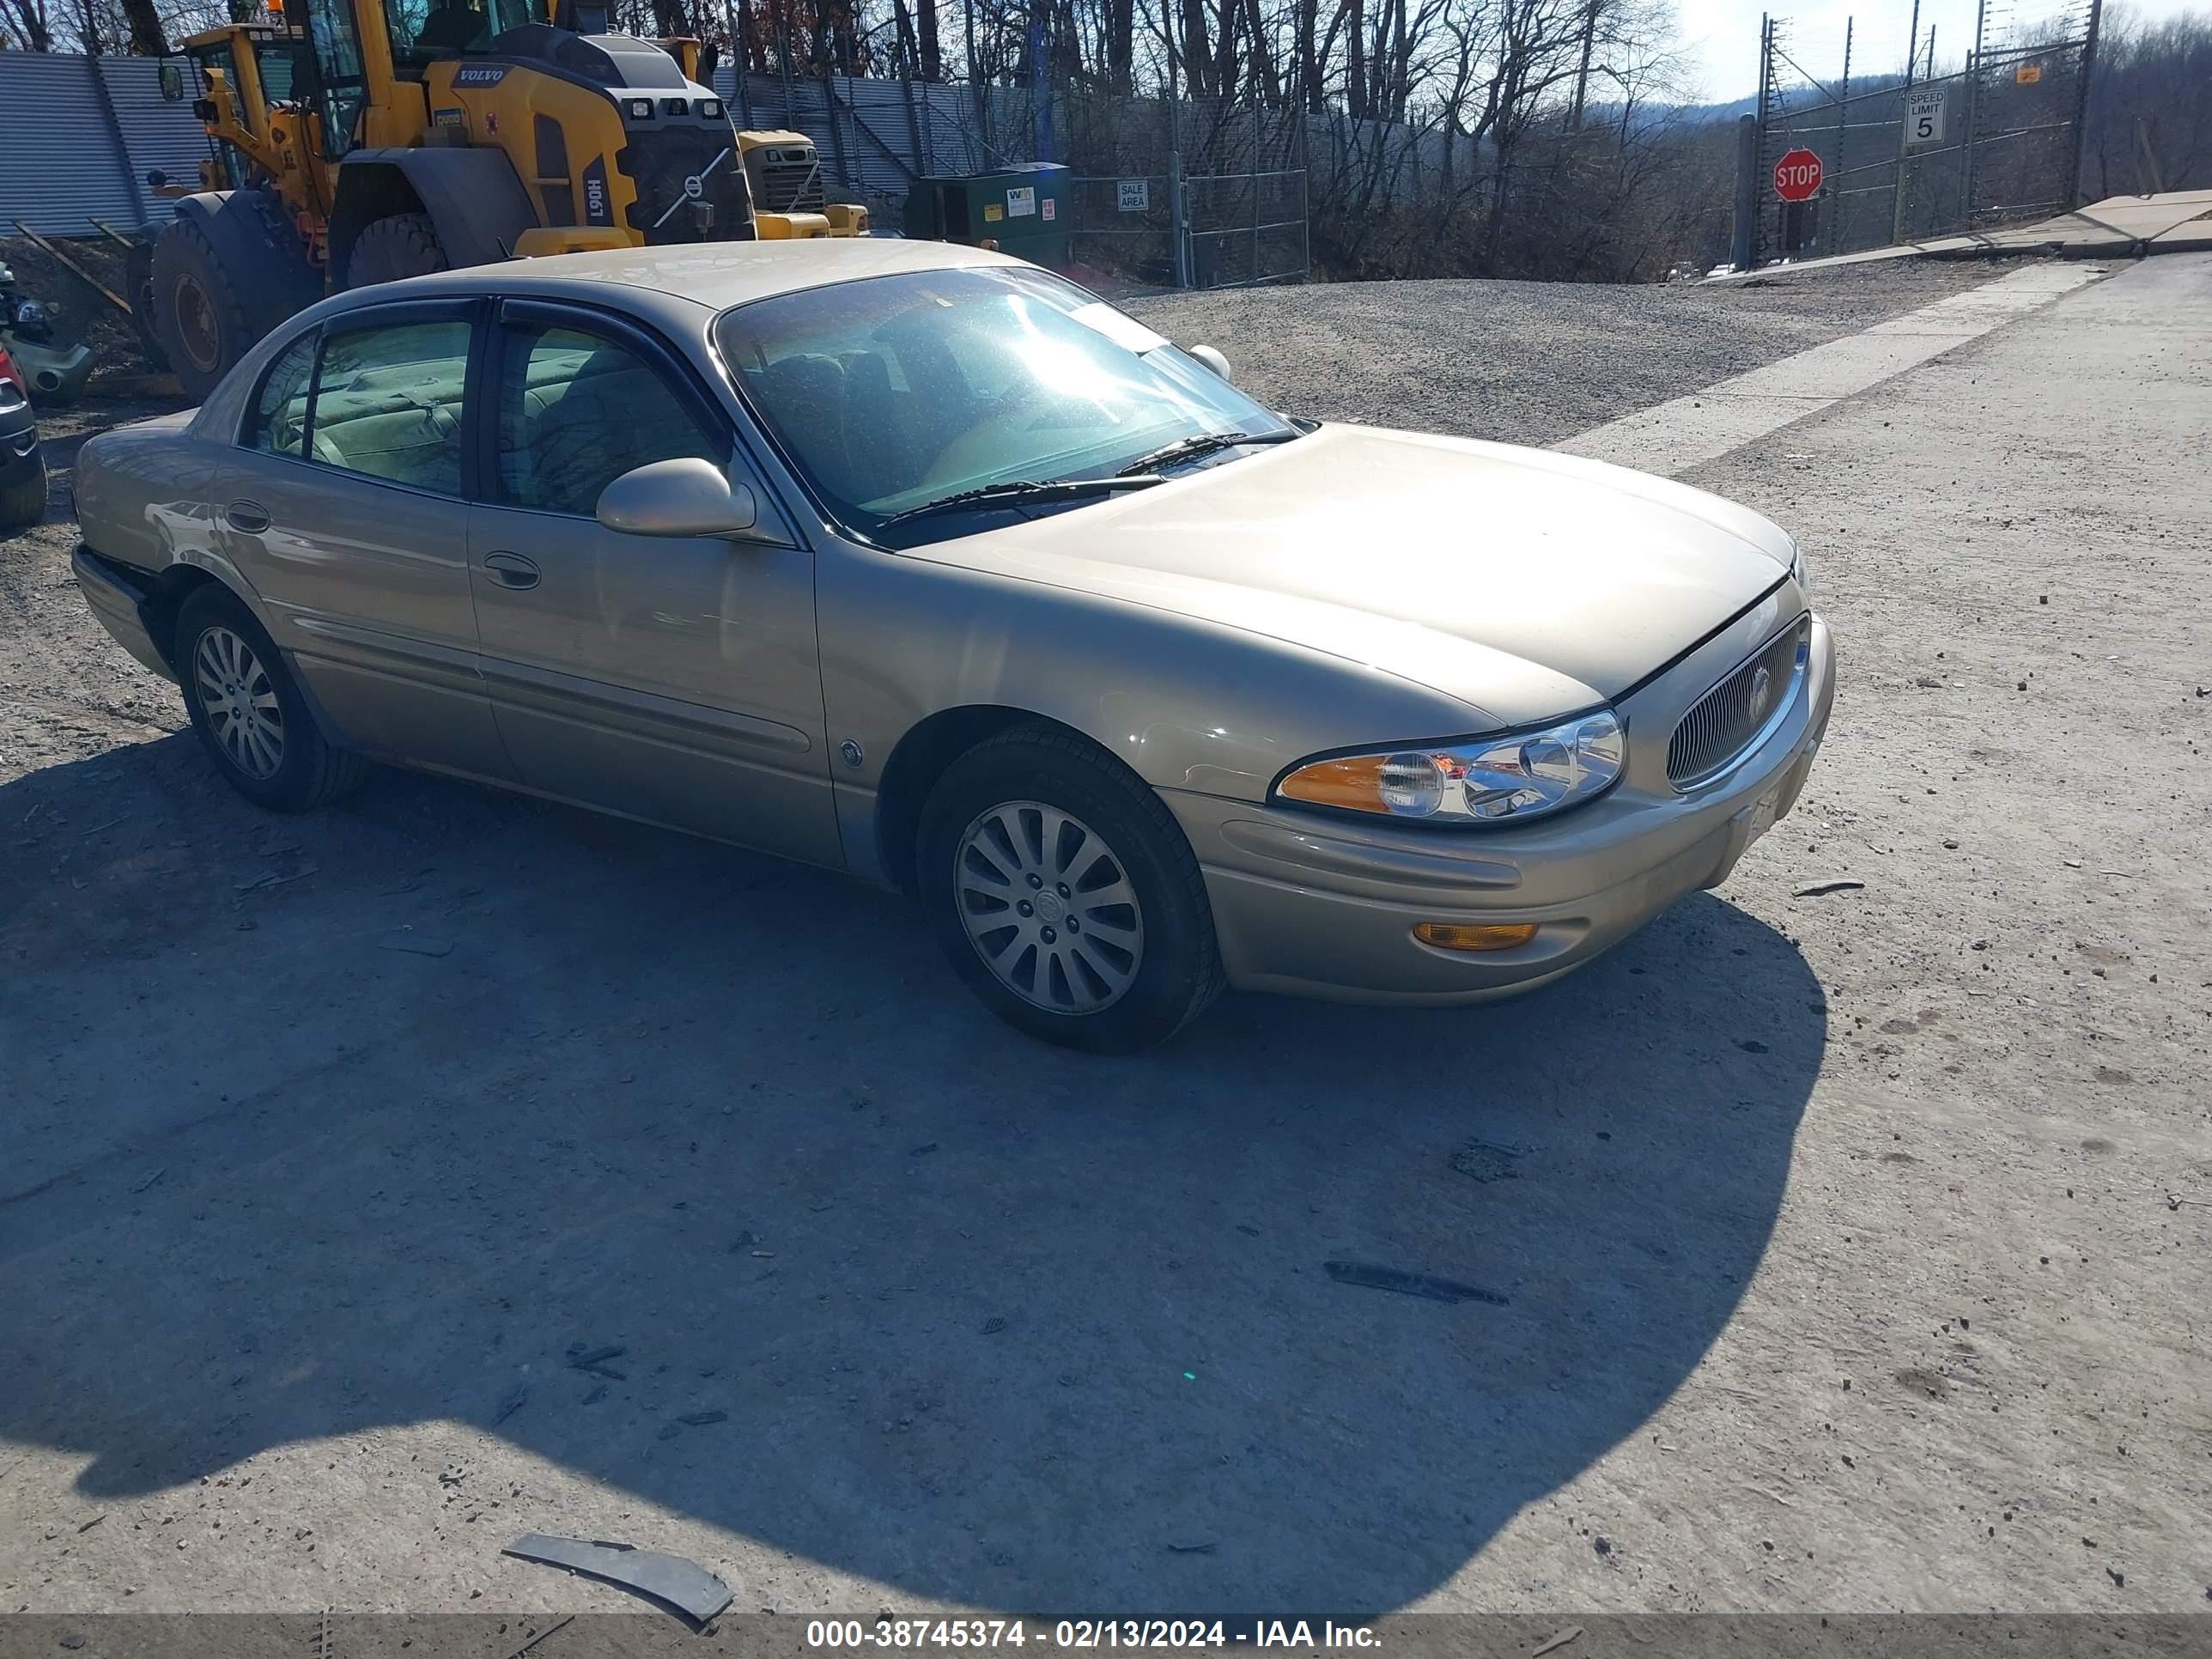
1474,936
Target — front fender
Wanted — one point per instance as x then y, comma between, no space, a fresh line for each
474,197
1185,703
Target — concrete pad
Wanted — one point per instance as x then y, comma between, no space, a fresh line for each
1687,432
2170,221
1690,431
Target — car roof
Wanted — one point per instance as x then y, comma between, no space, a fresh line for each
714,275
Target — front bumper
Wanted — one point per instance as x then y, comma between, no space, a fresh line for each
1316,905
120,595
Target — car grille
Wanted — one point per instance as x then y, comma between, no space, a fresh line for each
1735,713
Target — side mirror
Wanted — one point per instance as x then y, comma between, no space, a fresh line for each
172,83
683,497
1214,361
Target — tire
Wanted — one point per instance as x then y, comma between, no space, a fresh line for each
404,245
138,285
199,318
990,826
24,502
226,662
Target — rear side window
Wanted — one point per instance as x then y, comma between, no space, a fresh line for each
387,402
280,415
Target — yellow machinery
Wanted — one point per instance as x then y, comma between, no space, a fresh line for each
359,141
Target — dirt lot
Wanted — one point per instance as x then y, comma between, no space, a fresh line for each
1855,1244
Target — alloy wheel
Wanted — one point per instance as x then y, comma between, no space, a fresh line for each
240,704
1050,907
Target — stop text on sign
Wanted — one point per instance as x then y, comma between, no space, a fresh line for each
1797,176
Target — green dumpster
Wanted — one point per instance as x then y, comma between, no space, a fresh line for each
1022,210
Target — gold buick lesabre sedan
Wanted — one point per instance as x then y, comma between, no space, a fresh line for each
921,563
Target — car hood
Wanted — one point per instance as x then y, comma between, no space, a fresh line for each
1519,581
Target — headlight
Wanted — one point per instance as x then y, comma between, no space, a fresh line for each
1490,781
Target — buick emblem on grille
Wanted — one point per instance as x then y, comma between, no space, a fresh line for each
1762,688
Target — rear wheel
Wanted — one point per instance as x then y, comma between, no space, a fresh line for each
1064,893
197,313
249,716
404,245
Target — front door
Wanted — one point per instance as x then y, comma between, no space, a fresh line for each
672,678
343,506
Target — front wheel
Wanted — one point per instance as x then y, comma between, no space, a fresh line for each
388,250
1064,893
251,717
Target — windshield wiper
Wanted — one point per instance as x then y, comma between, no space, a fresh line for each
1204,443
1020,491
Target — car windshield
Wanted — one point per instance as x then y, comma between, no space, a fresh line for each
893,392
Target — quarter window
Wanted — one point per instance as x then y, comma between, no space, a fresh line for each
280,414
577,410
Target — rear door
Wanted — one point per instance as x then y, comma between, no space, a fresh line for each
672,678
344,506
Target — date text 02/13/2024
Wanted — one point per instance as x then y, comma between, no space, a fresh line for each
1085,1633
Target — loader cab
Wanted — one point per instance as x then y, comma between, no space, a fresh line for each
421,30
346,60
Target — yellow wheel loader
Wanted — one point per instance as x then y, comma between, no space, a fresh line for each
359,141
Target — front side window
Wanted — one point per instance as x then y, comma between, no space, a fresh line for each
387,402
577,410
275,60
894,391
280,413
338,66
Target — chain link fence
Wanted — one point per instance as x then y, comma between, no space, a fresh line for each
1904,157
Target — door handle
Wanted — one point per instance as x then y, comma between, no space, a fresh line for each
246,515
511,569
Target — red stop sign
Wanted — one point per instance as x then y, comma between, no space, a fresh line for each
1797,176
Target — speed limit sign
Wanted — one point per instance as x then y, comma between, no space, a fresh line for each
1924,119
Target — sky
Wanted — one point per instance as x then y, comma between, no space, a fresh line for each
1722,35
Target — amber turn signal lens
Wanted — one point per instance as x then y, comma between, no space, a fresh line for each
1470,936
1351,783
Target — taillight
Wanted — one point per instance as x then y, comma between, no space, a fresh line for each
13,375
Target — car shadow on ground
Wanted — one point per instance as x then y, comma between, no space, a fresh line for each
377,1116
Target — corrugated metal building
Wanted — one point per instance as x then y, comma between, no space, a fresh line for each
81,134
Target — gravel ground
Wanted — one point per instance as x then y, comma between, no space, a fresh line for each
1531,362
1857,1245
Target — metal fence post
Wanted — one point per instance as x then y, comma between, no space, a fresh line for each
1744,252
1766,78
1905,130
1973,119
2088,67
1178,219
1842,113
1256,186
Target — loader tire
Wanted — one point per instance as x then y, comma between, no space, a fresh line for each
138,287
404,245
197,315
